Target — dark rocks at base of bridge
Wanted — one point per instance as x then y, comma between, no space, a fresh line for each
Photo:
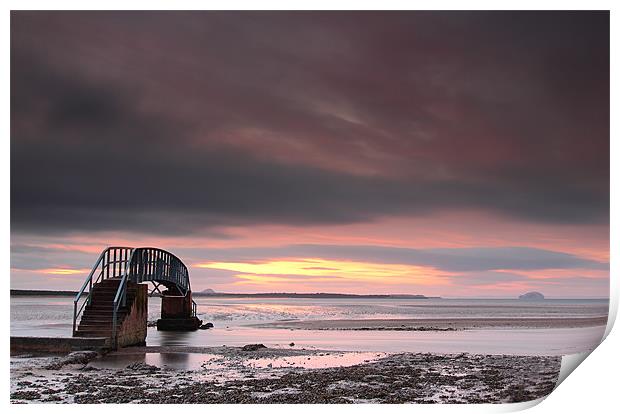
176,312
132,330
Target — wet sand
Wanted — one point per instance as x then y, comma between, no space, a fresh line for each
232,375
452,324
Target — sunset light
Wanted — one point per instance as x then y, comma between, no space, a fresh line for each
61,271
329,270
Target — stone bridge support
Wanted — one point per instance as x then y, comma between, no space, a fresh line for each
132,330
176,312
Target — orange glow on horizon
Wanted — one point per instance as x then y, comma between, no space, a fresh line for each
63,271
291,270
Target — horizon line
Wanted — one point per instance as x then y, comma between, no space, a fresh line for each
215,293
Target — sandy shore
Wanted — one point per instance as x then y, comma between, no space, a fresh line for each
438,324
231,375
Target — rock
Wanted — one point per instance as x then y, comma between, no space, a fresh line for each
88,368
291,344
253,347
207,325
532,296
77,357
81,357
141,366
25,395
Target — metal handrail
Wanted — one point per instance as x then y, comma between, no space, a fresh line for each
154,265
104,273
137,265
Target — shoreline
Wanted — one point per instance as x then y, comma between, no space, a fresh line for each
267,375
436,324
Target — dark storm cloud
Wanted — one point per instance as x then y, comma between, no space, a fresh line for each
27,257
132,121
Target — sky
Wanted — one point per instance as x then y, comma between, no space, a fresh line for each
453,154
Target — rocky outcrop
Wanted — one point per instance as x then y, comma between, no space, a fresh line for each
532,296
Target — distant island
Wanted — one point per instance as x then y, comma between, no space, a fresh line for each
532,296
212,293
319,295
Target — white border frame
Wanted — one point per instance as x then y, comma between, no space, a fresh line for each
594,384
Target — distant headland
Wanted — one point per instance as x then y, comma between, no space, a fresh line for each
212,293
319,295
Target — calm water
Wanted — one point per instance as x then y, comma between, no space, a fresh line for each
233,317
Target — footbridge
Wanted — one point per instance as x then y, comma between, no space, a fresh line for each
113,301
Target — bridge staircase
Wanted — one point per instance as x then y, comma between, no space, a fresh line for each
97,317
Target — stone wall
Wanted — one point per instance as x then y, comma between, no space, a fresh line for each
133,328
53,345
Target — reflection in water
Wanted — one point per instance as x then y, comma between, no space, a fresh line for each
562,341
179,360
326,360
171,338
117,361
198,362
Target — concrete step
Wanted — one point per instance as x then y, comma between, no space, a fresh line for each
97,320
104,309
103,305
107,330
109,288
100,319
104,293
103,315
110,294
108,301
97,324
100,307
98,333
109,282
91,326
85,322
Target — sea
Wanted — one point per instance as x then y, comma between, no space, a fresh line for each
234,321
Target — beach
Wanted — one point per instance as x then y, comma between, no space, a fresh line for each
264,375
439,324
